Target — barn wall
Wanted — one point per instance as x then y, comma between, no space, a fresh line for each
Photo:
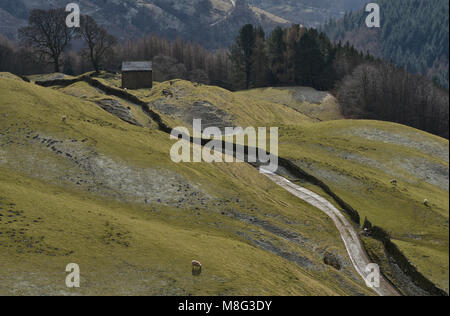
137,80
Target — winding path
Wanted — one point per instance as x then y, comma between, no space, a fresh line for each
349,235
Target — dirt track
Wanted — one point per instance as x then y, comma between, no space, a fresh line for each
348,233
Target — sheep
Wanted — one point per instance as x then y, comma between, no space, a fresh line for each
426,202
196,268
394,182
196,264
64,119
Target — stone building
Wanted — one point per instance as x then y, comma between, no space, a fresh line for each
137,75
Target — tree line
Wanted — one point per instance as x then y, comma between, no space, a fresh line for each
47,45
48,37
366,87
290,56
383,91
293,56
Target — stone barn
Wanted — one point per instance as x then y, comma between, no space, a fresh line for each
137,75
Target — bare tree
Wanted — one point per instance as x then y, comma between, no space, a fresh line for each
6,54
100,43
47,34
385,92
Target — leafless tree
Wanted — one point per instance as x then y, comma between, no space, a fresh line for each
100,43
6,54
385,92
47,34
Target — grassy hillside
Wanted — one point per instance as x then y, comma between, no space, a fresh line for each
104,193
357,159
182,100
96,166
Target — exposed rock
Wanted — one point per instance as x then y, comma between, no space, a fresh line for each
204,110
331,260
116,108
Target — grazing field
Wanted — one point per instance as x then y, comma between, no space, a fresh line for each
100,189
103,193
358,159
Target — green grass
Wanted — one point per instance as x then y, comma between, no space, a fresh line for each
153,249
245,110
47,77
325,110
360,171
356,158
125,246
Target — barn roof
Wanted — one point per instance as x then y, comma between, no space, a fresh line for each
137,66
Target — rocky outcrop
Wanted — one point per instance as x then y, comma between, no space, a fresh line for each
116,108
331,260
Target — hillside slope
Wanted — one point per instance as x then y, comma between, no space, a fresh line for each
104,193
127,170
356,159
310,13
359,160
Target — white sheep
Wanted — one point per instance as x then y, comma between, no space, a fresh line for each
64,119
426,202
196,265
